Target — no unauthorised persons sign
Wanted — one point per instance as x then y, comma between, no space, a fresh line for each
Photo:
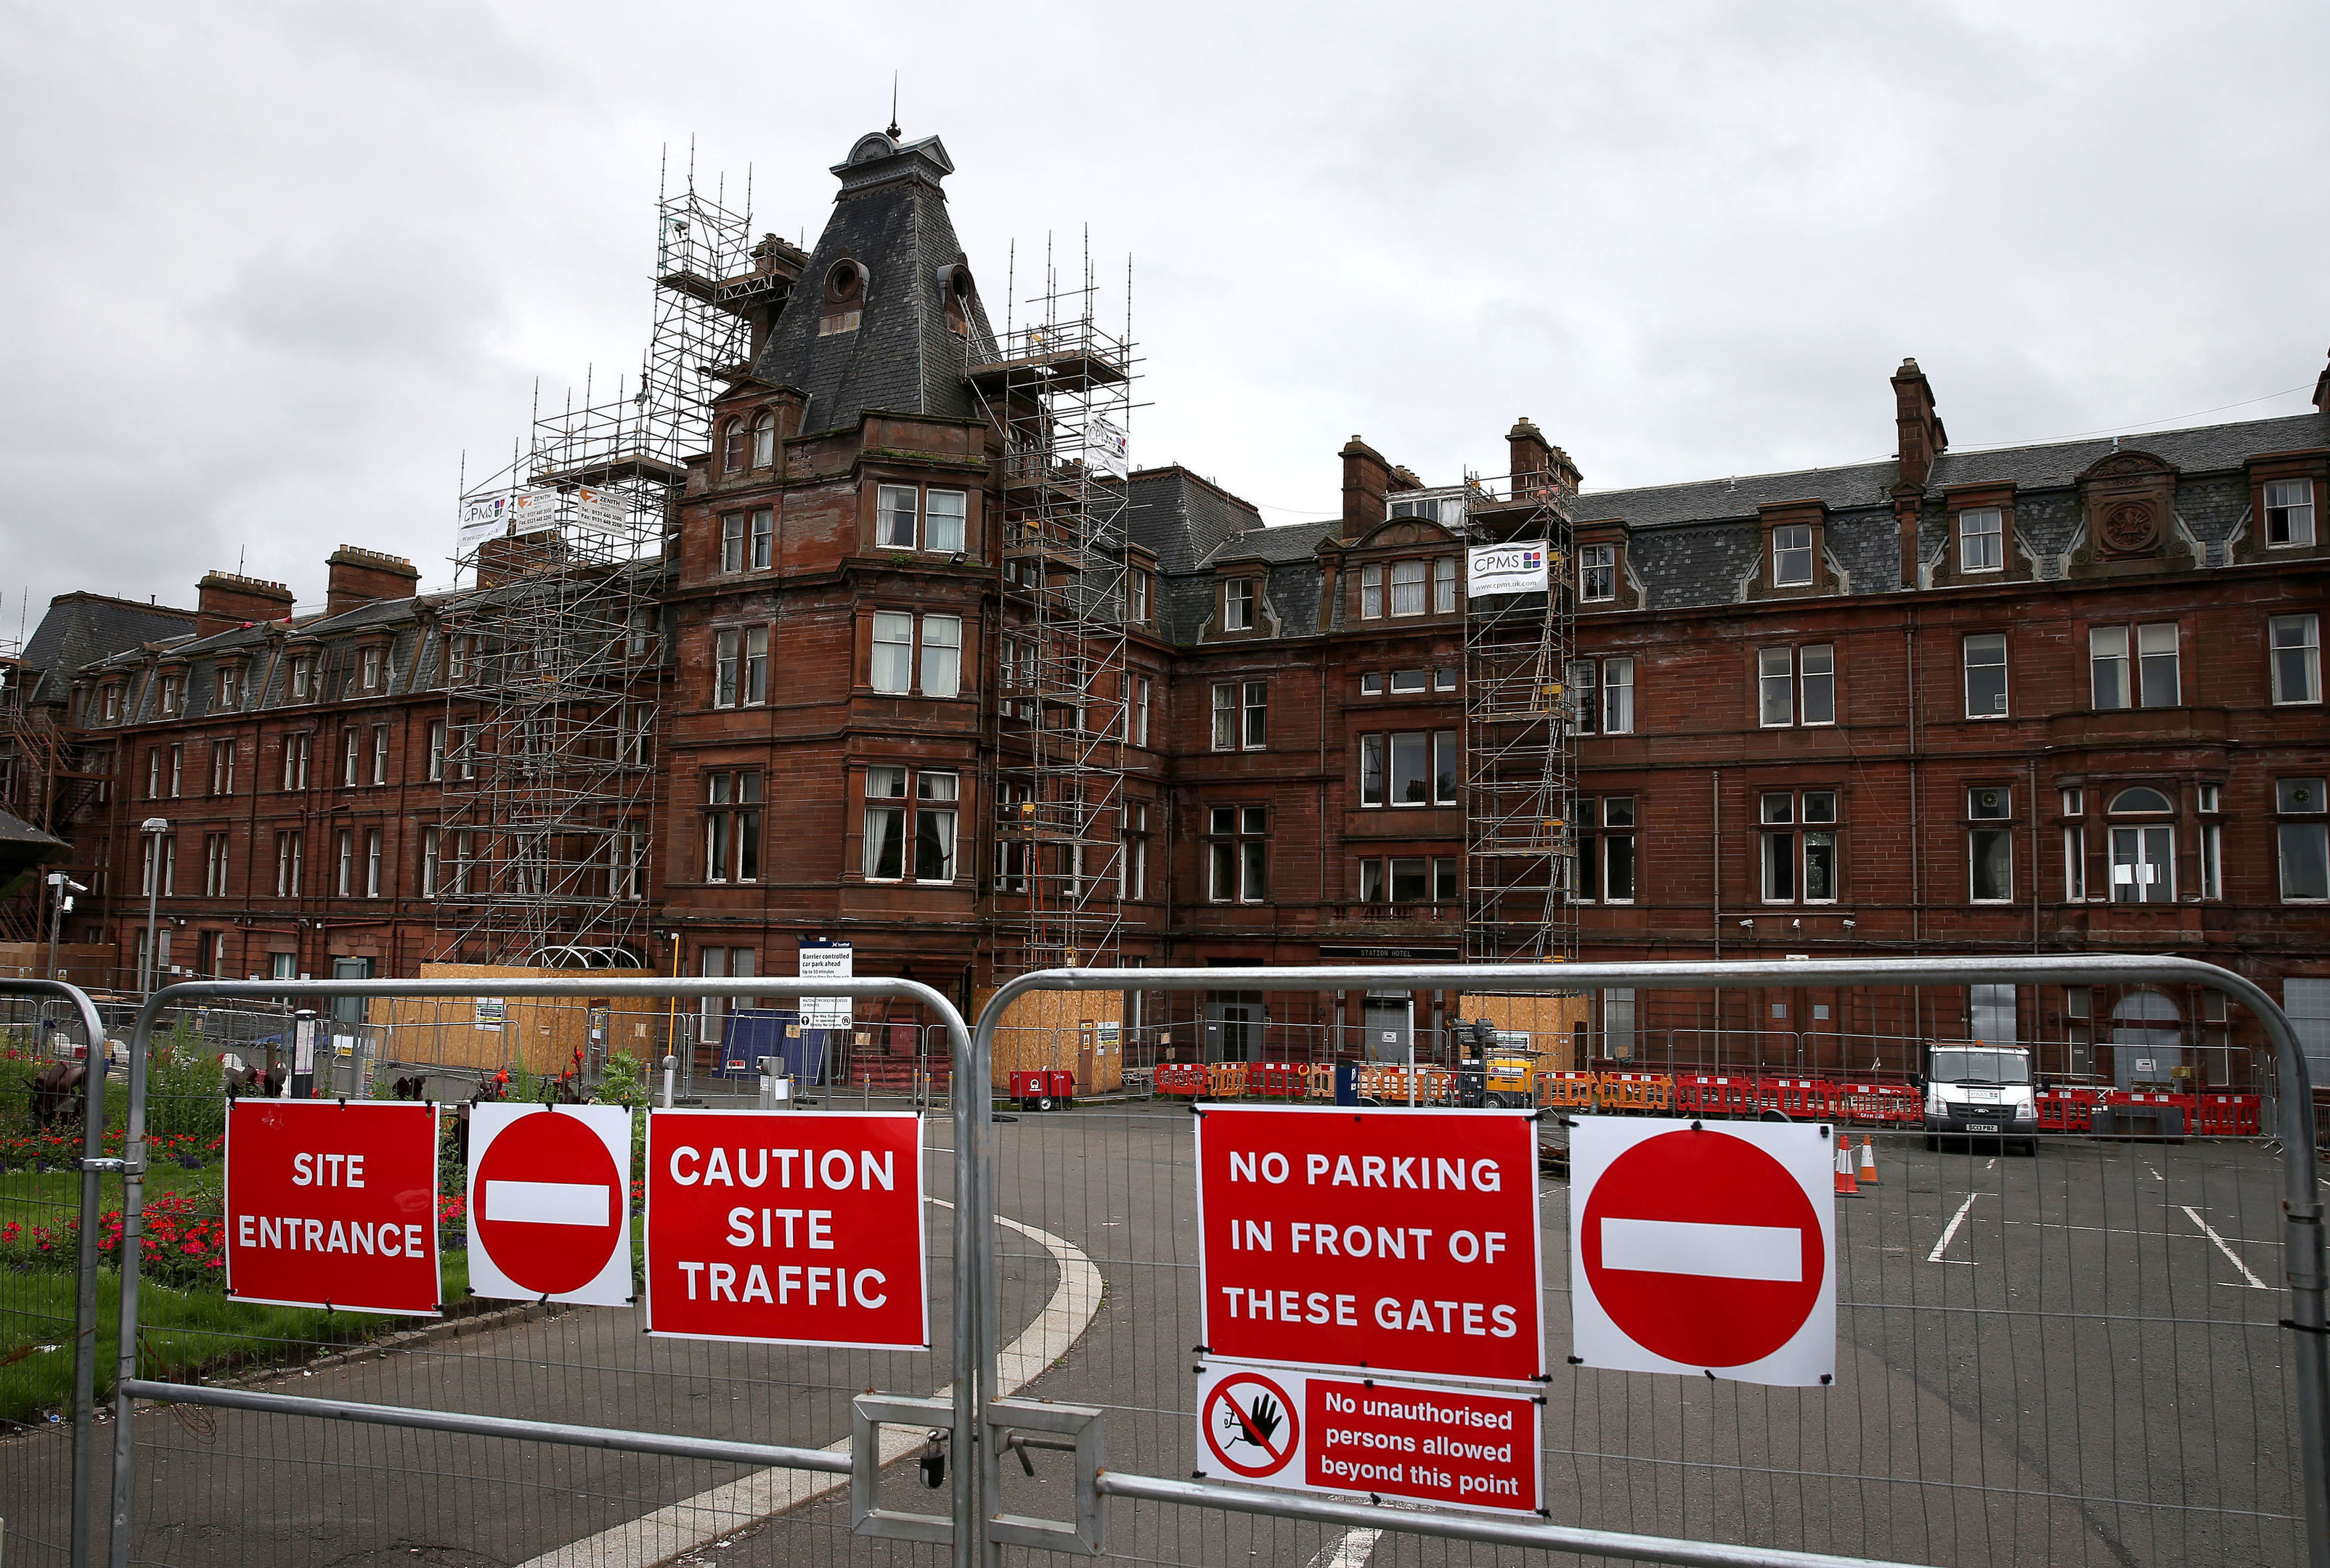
1703,1250
549,1212
787,1227
1317,1433
1388,1240
332,1204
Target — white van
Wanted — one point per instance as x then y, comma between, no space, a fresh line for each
1978,1091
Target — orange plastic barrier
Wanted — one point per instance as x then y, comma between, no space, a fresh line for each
1635,1092
1226,1080
1702,1095
1568,1090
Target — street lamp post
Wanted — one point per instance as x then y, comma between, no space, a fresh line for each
153,827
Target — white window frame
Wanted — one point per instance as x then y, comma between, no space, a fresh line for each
1371,592
1982,539
941,656
938,801
1775,688
946,521
890,671
1816,671
731,543
1253,715
727,666
2003,706
2299,819
2288,513
1792,551
898,509
1618,696
1597,573
764,531
1409,586
2301,636
1239,601
2075,863
1443,585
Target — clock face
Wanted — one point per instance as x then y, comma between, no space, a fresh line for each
2128,527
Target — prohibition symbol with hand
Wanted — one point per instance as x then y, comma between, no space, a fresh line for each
1251,1426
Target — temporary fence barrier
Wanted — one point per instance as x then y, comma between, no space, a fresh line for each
1912,1454
79,1013
1928,1448
1570,1091
1647,1092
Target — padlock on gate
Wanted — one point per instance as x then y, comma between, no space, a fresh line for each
933,1458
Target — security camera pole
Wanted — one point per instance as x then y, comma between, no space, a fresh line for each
61,891
153,827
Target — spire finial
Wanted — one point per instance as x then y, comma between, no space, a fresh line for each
893,105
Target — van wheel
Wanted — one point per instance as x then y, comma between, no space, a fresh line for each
1043,1102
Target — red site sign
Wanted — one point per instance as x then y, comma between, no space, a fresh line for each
1313,1432
1383,1240
787,1227
332,1203
1707,1251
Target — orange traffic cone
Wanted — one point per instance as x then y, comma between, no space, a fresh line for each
1868,1161
1846,1185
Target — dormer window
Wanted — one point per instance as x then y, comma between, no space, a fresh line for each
845,298
303,678
371,668
230,686
736,448
1597,573
764,439
1792,555
2290,512
1982,539
173,686
112,703
1237,604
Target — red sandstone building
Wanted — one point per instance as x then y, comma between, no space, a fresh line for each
2043,699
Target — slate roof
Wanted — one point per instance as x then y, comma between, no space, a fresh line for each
891,219
81,628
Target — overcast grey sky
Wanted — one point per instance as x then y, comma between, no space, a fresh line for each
273,267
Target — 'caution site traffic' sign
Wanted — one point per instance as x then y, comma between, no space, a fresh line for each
1312,1431
787,1227
1709,1250
1388,1240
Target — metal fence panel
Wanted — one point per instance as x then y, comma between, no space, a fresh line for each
2108,1353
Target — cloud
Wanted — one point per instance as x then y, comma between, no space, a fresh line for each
277,267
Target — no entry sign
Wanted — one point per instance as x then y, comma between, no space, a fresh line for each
1311,1432
1387,1241
1706,1251
787,1227
332,1204
549,1212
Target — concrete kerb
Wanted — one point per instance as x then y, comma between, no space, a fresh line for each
580,984
93,1165
2302,1209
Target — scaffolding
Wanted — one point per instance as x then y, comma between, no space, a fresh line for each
1520,751
552,654
1061,395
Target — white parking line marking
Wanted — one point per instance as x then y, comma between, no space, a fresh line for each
2223,1246
1950,1232
1352,1551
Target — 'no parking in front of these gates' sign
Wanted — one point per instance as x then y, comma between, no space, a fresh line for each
786,1227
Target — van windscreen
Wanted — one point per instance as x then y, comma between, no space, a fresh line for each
1965,1066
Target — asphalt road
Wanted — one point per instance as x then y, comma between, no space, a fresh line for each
2069,1359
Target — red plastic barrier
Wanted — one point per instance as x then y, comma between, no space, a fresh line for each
1180,1078
2229,1115
1879,1102
2067,1110
1802,1098
1700,1095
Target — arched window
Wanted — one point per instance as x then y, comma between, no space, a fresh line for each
2141,800
734,447
764,439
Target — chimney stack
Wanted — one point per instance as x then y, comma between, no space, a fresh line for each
1531,453
1366,476
2322,391
223,601
1921,438
361,577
